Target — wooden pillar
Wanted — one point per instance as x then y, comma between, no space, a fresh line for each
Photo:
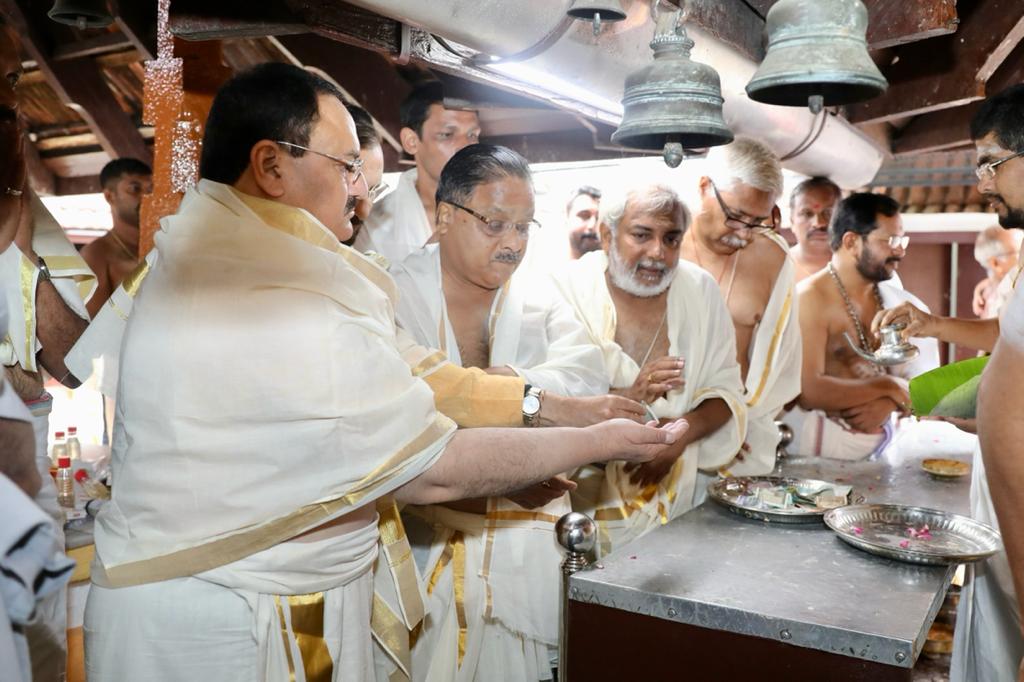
179,90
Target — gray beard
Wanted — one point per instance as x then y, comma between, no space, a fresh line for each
624,278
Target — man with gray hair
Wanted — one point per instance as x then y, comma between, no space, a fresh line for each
493,614
668,341
996,249
736,221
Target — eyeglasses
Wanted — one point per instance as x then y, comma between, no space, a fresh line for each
895,241
353,169
377,191
987,171
497,228
732,217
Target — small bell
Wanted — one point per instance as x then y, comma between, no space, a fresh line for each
597,11
81,13
816,49
674,103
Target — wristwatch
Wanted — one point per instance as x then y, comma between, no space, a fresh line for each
44,271
531,406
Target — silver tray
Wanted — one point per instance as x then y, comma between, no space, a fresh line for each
727,491
955,539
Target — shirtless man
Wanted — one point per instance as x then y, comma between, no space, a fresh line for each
853,400
114,255
733,237
810,210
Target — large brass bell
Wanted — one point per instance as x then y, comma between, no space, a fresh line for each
816,49
674,103
81,13
596,11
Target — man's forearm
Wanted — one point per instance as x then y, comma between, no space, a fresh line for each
705,419
833,394
58,327
977,334
1001,432
494,462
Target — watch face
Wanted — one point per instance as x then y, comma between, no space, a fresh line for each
531,405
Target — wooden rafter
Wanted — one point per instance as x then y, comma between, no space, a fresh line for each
79,84
950,71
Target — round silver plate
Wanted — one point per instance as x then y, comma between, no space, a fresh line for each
881,528
728,491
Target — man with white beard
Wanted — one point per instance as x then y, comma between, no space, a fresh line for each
668,341
734,239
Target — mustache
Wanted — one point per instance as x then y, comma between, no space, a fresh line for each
508,257
893,260
650,264
350,205
587,236
734,241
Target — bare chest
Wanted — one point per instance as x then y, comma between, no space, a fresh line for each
642,335
472,335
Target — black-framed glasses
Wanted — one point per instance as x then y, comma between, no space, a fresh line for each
353,169
497,228
987,171
733,217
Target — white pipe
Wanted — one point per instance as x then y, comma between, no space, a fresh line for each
599,66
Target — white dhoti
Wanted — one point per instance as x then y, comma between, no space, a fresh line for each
497,580
324,419
700,330
815,434
303,619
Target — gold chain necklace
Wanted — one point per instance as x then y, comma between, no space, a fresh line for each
851,311
123,246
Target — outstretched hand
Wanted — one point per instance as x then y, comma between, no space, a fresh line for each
625,440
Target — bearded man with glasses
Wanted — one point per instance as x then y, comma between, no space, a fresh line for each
734,238
987,643
847,403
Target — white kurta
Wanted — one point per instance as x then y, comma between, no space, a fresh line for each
700,330
773,374
496,573
398,225
262,394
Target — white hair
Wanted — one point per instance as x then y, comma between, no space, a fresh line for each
745,161
651,199
993,242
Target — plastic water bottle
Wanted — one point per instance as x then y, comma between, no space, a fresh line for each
65,483
60,448
92,488
74,447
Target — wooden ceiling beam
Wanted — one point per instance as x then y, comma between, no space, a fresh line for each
137,21
40,178
950,128
79,84
104,43
950,71
740,23
81,184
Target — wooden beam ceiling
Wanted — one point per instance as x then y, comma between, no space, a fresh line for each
78,83
740,23
949,71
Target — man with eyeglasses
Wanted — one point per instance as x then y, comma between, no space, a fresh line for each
668,341
266,408
403,220
847,403
464,296
987,641
734,239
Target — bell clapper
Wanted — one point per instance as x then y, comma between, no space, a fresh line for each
816,103
672,153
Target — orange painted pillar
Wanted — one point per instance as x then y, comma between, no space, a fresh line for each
177,97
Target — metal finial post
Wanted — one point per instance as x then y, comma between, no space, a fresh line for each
577,533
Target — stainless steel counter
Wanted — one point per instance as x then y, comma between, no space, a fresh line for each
714,569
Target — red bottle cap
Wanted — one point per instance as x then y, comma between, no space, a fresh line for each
72,430
81,475
59,434
63,462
